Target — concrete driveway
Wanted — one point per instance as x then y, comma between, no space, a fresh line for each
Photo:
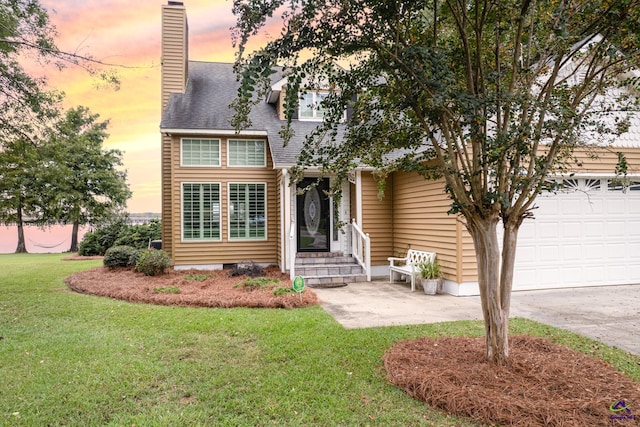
608,314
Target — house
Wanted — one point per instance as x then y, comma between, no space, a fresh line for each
227,197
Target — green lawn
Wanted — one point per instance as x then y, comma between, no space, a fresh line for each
70,359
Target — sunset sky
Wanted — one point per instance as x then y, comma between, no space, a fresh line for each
127,33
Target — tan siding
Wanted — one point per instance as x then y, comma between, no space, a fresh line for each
377,218
606,161
174,54
353,206
174,51
224,251
421,221
166,185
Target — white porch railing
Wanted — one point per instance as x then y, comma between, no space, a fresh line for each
361,248
292,250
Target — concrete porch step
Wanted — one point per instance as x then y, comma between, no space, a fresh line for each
328,269
341,259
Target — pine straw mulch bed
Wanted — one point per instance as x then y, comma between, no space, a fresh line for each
544,385
217,289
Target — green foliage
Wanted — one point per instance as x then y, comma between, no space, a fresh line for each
85,182
121,256
152,262
493,97
104,237
283,291
167,290
119,232
257,282
430,270
198,277
139,235
90,245
426,81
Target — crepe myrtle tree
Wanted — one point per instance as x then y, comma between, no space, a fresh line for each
492,96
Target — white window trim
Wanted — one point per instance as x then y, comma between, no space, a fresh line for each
315,118
266,210
201,166
315,94
182,238
264,142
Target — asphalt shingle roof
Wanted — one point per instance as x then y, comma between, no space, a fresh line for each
211,87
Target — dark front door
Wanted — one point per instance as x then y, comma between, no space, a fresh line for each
314,220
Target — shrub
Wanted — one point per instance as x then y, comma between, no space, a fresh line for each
138,235
121,256
152,262
250,269
283,291
90,245
257,283
119,233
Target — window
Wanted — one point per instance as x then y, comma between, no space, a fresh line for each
200,152
201,211
246,153
310,106
247,211
623,184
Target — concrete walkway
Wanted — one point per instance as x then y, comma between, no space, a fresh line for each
608,314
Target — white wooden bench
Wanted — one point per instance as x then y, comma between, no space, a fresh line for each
409,265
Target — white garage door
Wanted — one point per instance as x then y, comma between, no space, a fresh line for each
587,235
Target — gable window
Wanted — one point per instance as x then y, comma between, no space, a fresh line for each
247,211
199,152
310,106
200,211
246,153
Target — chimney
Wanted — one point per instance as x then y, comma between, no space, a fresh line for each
175,49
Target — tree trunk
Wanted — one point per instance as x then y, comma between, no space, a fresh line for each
74,237
21,248
494,311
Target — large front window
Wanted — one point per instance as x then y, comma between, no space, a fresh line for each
247,211
201,211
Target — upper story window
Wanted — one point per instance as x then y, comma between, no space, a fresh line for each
199,152
246,153
311,106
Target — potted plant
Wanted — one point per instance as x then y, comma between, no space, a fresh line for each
430,276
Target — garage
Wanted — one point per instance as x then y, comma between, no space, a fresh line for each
586,235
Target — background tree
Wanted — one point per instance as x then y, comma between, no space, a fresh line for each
23,133
493,96
83,180
19,163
